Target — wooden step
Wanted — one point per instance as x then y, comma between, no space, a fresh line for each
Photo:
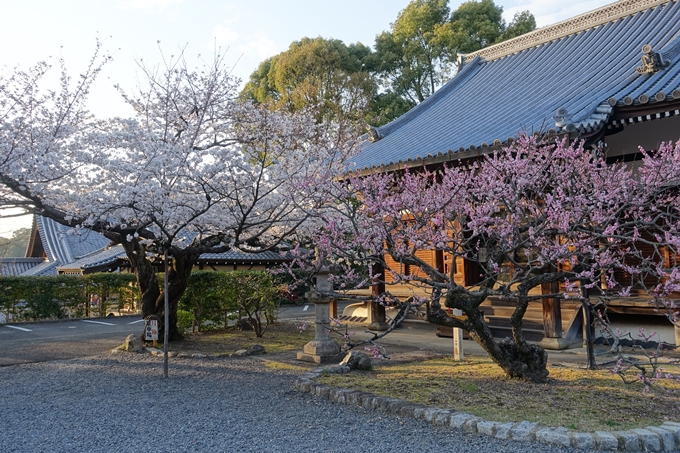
496,321
529,334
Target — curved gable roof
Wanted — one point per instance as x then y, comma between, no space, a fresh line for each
585,67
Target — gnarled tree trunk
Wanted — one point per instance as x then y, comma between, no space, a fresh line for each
518,360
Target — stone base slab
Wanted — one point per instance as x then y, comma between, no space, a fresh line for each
315,358
558,344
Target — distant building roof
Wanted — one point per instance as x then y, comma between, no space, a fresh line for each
17,266
106,259
60,249
568,77
239,256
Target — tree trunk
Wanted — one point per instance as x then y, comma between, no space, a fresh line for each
153,298
523,361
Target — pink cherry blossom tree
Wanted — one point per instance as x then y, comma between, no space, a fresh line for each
197,170
541,211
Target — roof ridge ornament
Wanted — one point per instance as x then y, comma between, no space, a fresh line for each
652,62
373,134
562,117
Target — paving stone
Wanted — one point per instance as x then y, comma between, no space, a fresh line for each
523,431
486,427
674,428
502,430
368,401
354,398
470,424
442,418
650,441
582,440
418,412
554,436
322,391
628,440
672,424
459,419
667,437
430,413
409,409
606,441
341,395
389,405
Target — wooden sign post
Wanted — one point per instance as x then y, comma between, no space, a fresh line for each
458,354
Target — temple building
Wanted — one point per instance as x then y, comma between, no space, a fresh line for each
610,77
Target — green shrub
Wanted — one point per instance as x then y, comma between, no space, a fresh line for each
34,298
184,320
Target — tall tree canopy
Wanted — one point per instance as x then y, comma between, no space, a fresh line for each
418,53
16,245
316,72
411,60
415,54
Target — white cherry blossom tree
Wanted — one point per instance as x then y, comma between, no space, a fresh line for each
197,170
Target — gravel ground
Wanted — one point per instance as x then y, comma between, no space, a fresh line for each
121,403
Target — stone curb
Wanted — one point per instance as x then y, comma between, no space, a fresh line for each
653,438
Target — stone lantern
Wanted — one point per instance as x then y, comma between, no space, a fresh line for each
322,349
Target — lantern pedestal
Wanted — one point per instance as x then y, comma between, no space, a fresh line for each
322,349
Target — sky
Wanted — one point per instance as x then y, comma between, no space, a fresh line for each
249,30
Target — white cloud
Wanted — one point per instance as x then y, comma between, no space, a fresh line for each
225,35
260,46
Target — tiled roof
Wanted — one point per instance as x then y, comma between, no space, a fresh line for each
42,270
17,266
68,251
566,77
62,244
99,258
238,256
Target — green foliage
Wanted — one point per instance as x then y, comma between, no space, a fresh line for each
61,296
219,296
111,289
387,107
16,245
411,60
204,298
255,295
323,73
419,53
415,53
185,320
522,23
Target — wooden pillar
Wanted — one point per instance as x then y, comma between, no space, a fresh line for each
552,311
334,308
376,311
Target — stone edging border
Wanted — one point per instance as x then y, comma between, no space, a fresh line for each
653,438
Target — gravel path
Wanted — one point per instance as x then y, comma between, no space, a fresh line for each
121,403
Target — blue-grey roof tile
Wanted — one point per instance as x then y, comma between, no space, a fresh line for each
45,269
17,266
99,258
578,65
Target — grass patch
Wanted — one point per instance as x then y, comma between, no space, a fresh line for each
578,399
273,365
282,337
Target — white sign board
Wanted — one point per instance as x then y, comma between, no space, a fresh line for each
151,329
